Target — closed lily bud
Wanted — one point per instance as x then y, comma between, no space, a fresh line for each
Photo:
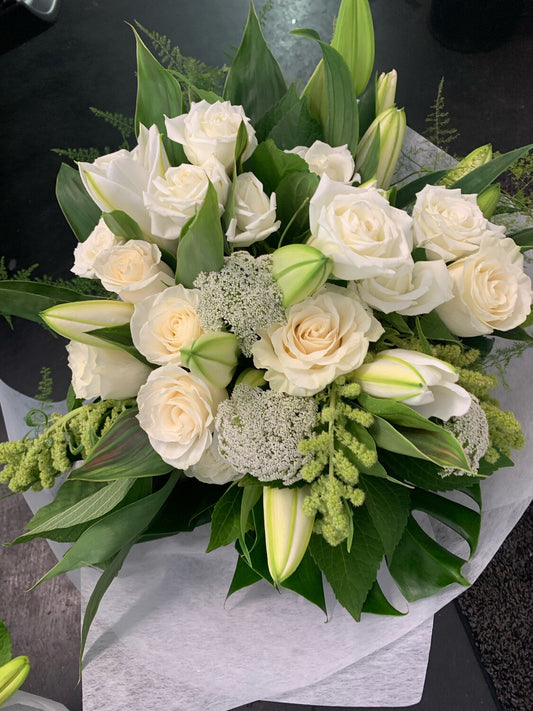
488,200
391,125
299,270
75,319
287,530
213,357
253,377
12,676
389,377
386,91
473,160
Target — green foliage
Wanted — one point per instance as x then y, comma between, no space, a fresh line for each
81,155
438,129
122,123
5,645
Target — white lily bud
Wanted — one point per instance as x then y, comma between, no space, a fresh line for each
12,676
391,125
299,270
213,357
287,530
386,91
75,319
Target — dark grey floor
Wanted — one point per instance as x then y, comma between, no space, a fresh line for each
47,83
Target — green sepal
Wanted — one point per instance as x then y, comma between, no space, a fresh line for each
27,299
123,452
377,604
255,80
122,225
421,567
77,206
201,247
463,520
226,519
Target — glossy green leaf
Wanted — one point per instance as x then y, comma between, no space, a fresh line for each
351,574
226,520
114,532
367,106
407,194
307,582
250,496
270,164
296,128
434,328
293,194
478,179
255,80
123,452
342,122
243,577
389,506
28,299
121,337
158,95
463,520
201,247
377,604
77,206
276,113
89,508
68,495
514,334
376,469
524,239
122,225
5,645
421,567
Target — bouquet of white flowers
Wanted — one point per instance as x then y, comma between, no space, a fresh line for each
290,348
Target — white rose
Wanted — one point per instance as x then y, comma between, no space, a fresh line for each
413,289
104,372
490,290
177,410
356,227
163,323
133,270
86,252
117,181
174,198
255,212
211,130
448,224
212,469
325,335
337,163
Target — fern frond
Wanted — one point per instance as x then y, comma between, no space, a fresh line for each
438,121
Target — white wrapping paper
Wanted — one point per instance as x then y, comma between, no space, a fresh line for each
165,639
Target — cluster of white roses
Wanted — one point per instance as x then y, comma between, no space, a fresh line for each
473,277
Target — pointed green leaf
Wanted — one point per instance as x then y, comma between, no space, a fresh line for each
122,225
367,106
240,145
377,604
481,177
524,239
463,520
296,128
201,247
123,452
121,336
389,506
307,582
77,206
28,299
421,567
407,194
226,520
276,113
376,469
351,574
68,494
112,533
434,329
270,164
293,194
255,80
243,577
5,645
250,496
514,334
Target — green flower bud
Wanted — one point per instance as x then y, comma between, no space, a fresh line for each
12,676
74,319
253,377
488,200
391,125
386,91
213,357
287,530
299,270
389,377
473,160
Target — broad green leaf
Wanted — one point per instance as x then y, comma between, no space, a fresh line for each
28,299
255,80
514,334
478,179
488,468
243,577
201,247
524,239
293,194
158,95
407,194
296,128
122,225
250,496
421,567
388,506
114,532
342,122
68,495
377,604
77,206
464,521
270,164
276,113
351,574
398,323
434,328
307,582
5,645
121,336
226,520
87,509
123,452
376,469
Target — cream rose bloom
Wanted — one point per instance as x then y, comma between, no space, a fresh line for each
104,372
212,469
255,212
172,199
133,270
177,411
337,163
448,224
356,227
86,252
211,130
325,335
491,290
165,322
413,289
